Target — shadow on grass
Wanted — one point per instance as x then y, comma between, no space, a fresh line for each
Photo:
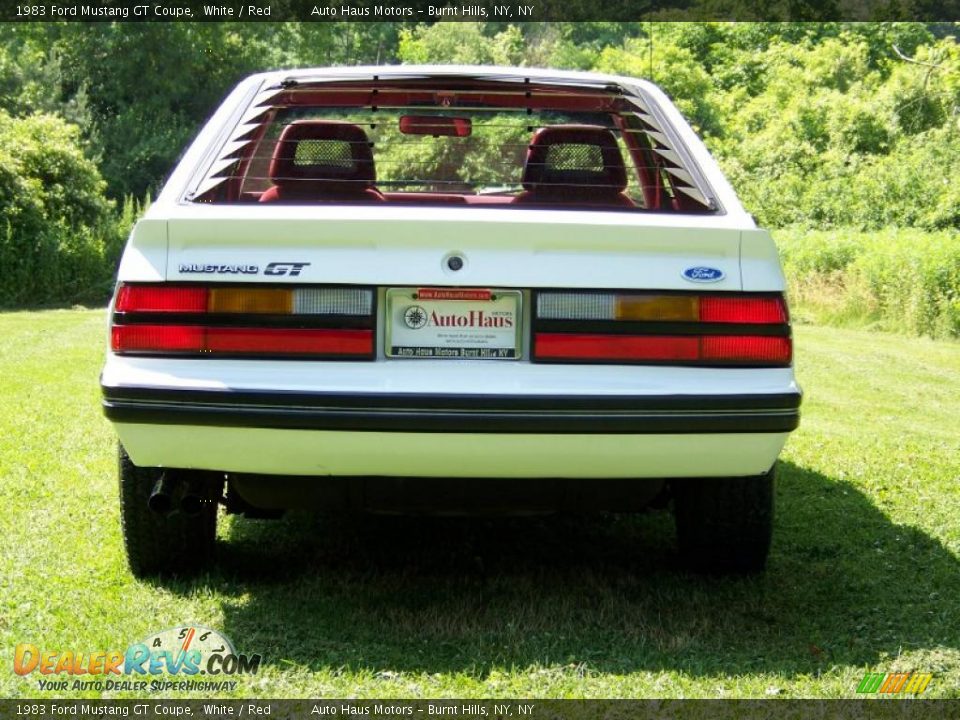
844,586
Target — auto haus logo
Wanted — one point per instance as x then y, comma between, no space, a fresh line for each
181,658
415,317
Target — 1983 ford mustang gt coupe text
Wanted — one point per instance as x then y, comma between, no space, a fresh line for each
448,289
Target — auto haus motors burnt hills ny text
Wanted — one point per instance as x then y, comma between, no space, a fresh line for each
448,709
464,12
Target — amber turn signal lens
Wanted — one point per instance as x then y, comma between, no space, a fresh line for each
669,308
269,301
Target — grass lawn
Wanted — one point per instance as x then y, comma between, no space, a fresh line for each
864,572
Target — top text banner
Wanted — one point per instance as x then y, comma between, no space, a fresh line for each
479,10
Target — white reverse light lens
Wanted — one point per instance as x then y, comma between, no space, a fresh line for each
332,301
576,306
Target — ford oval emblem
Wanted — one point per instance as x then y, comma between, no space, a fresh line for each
702,274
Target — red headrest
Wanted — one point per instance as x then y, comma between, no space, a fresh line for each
333,154
582,156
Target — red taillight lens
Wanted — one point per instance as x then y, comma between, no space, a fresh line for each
582,346
746,349
152,338
157,298
289,341
703,349
719,309
241,341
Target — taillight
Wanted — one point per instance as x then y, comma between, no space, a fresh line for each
728,308
161,298
596,346
239,321
741,309
150,338
746,349
745,329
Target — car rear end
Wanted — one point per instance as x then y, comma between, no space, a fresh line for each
451,290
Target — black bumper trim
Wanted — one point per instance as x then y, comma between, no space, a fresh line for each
671,414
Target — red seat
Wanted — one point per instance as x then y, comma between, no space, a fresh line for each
322,161
574,165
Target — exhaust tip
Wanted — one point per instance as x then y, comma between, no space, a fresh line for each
160,504
161,497
178,492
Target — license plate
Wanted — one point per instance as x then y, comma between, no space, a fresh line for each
476,324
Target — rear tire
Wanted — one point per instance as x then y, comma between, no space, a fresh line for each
724,525
174,544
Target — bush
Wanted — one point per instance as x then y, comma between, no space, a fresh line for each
60,238
902,280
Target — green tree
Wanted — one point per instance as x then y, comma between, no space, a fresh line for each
57,222
462,44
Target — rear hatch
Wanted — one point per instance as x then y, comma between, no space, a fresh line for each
410,247
559,286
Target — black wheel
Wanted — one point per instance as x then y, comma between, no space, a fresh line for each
724,525
165,544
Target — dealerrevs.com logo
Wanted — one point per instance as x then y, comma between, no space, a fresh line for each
173,659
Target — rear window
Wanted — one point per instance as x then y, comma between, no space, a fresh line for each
465,143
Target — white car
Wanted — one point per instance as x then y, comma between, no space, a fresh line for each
448,290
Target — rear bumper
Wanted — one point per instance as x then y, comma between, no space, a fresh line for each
274,451
409,413
533,421
446,436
